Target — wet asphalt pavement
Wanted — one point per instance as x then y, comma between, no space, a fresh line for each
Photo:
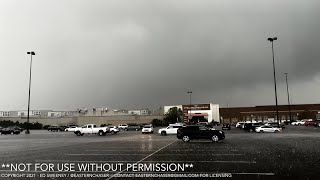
292,154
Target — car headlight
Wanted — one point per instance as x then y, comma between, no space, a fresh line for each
220,132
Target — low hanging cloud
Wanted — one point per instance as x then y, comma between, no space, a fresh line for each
132,54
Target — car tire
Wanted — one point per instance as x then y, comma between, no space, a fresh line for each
112,132
215,138
163,133
261,131
126,129
276,131
185,138
100,133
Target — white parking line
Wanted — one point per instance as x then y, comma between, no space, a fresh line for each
157,154
178,150
144,158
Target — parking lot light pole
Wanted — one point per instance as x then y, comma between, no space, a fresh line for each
190,92
31,54
274,78
288,97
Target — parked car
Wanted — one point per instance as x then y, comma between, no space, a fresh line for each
309,123
9,131
317,123
239,124
16,128
171,129
275,124
266,128
143,124
71,129
298,123
55,128
226,126
187,133
147,129
135,127
113,129
122,126
295,122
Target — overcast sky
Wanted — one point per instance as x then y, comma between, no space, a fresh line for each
147,53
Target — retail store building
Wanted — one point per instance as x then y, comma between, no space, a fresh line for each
268,113
198,112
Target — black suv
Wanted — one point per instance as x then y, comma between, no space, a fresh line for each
9,130
135,127
226,126
251,127
187,133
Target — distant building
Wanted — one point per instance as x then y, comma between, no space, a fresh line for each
62,113
37,113
33,113
8,114
101,111
139,112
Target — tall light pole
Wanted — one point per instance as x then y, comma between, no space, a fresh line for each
288,97
274,78
31,54
190,92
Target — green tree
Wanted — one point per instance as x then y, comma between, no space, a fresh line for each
173,115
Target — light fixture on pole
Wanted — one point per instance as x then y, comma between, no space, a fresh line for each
190,92
31,54
274,78
288,98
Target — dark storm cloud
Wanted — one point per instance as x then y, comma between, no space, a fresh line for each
150,53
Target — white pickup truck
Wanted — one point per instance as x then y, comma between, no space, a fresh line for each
91,129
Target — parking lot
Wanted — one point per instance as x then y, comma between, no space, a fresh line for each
293,153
